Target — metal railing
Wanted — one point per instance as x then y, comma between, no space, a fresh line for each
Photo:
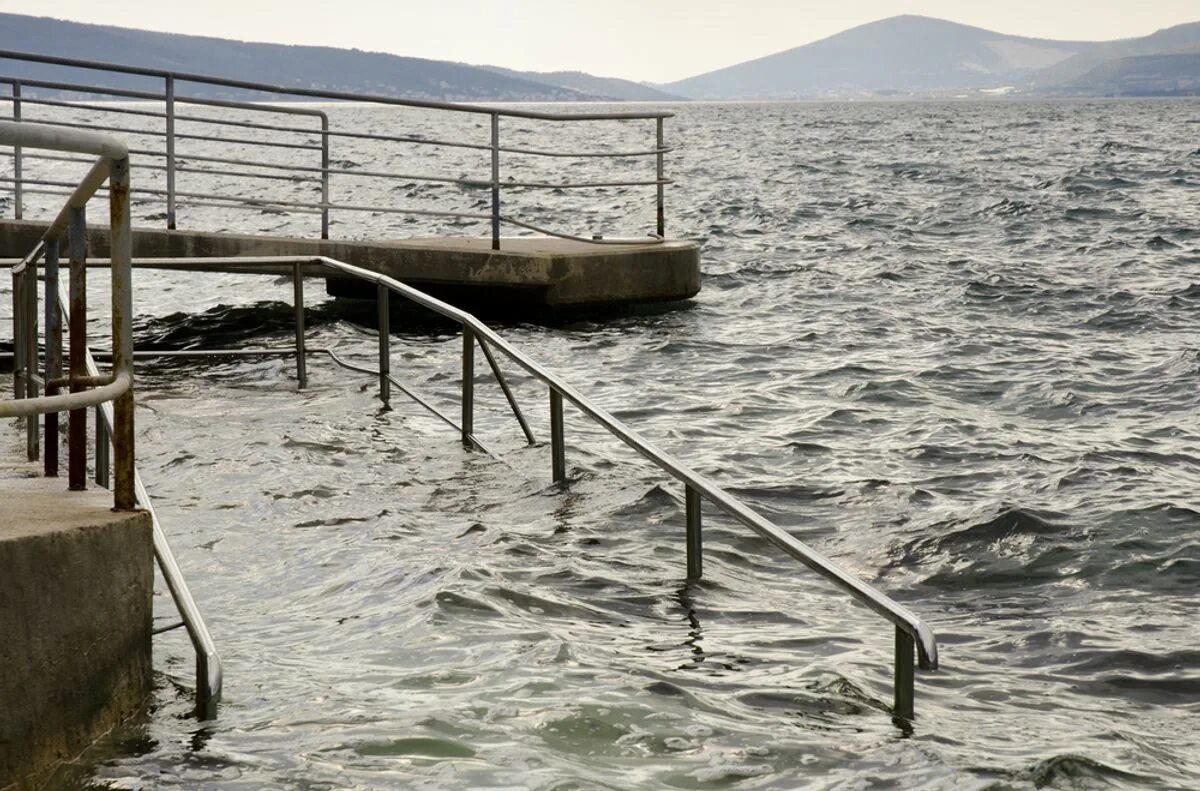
912,635
110,394
297,140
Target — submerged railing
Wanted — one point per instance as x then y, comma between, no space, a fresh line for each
175,161
911,634
110,394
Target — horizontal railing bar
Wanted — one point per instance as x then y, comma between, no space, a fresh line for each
362,369
178,168
154,114
487,147
560,235
151,96
585,184
327,94
182,136
238,174
344,172
587,154
168,628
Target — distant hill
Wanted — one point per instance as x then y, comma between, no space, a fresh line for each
308,67
1177,39
1173,74
908,54
914,55
624,90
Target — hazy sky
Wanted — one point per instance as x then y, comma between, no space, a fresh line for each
655,40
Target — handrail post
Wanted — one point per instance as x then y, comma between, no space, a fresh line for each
102,457
695,559
558,459
77,425
468,385
18,283
298,308
495,181
905,648
382,297
324,176
30,315
18,185
170,101
124,497
662,222
54,336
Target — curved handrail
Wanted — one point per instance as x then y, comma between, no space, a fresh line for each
65,402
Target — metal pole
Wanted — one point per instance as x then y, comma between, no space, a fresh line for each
385,338
662,223
905,648
102,457
18,186
298,308
512,400
170,97
32,436
77,426
18,283
324,176
558,459
54,335
124,477
695,560
468,385
495,181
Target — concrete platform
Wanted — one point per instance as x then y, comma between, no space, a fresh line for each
540,272
76,581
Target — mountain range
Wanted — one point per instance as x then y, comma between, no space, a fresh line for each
915,55
908,56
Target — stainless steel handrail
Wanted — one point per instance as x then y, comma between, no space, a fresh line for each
112,165
912,634
112,395
497,217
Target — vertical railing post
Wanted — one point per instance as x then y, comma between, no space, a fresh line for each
102,457
170,99
695,556
558,456
18,159
53,369
382,298
124,495
468,385
18,283
495,181
905,648
324,176
77,425
32,435
662,222
298,309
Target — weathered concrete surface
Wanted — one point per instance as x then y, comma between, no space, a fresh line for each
547,272
76,581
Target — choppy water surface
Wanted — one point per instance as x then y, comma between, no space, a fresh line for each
953,346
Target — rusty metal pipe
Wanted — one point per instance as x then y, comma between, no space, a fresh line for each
124,497
77,426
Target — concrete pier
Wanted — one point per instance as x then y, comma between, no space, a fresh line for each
76,581
539,272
